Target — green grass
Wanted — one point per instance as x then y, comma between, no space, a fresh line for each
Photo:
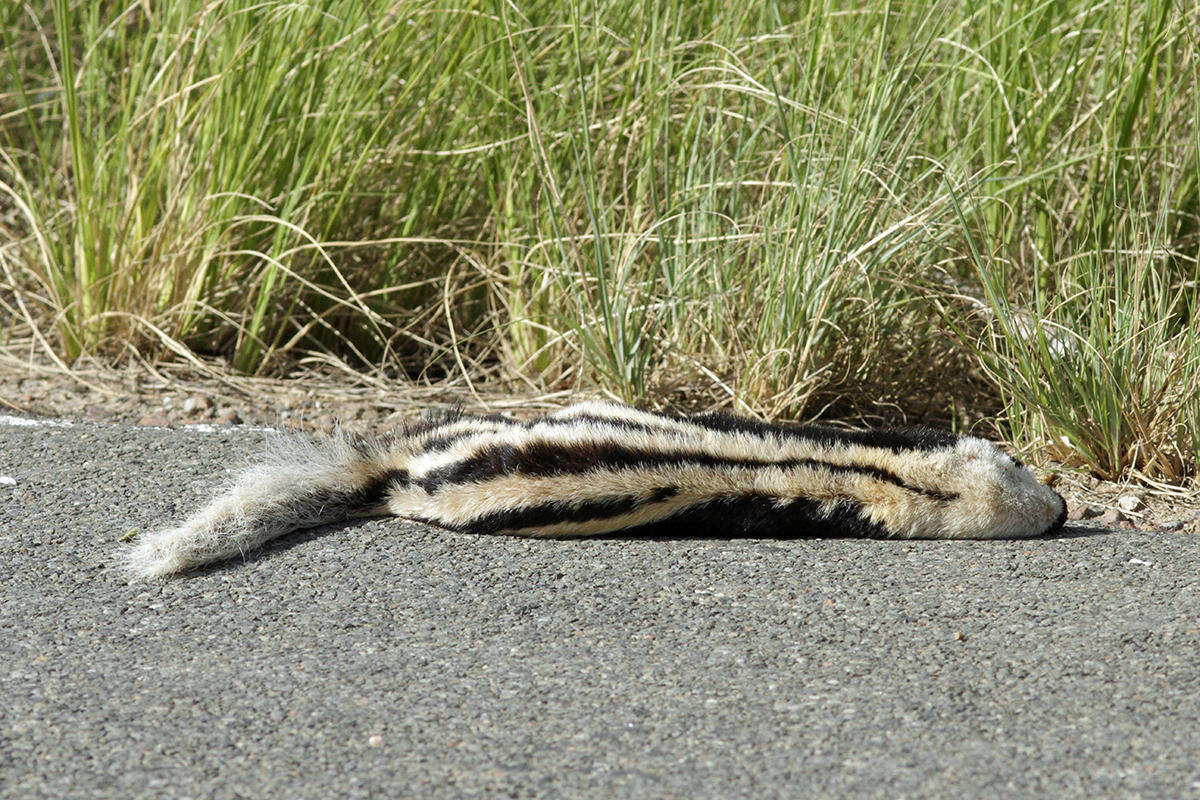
903,210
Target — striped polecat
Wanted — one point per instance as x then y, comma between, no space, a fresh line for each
601,467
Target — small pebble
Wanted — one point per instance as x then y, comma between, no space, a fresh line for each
196,402
1172,526
1112,516
1129,502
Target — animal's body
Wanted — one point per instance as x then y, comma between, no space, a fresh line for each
598,468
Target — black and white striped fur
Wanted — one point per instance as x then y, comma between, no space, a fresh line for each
600,467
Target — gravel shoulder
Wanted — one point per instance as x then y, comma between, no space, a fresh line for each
386,659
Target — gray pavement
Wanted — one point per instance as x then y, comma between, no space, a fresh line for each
386,660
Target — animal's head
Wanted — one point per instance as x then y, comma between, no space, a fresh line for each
996,495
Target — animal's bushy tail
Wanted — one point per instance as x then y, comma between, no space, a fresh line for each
302,484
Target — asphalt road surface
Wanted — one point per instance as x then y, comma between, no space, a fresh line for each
383,659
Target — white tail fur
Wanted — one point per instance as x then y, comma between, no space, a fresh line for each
301,484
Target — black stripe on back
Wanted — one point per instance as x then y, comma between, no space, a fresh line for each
760,515
734,516
544,459
440,443
433,420
371,495
446,441
896,440
611,422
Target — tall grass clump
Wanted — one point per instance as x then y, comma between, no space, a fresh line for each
210,172
708,200
903,210
1107,374
1088,257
